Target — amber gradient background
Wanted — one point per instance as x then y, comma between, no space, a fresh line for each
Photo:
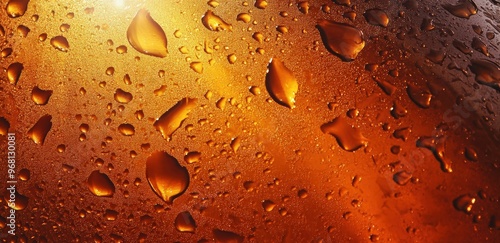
351,196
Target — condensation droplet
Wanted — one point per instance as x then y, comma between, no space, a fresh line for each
344,40
172,119
192,157
16,8
348,137
184,222
402,177
464,203
100,184
40,130
376,16
227,236
214,22
24,174
281,83
122,96
14,72
146,35
60,43
419,96
487,72
463,9
244,17
40,96
197,67
166,176
4,126
126,129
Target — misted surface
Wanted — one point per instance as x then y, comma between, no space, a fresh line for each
243,121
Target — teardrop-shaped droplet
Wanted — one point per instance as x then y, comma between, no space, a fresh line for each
227,236
146,35
14,72
281,83
40,130
16,8
4,126
60,43
122,96
376,16
348,137
419,96
487,72
344,40
464,203
184,222
463,9
214,22
479,45
126,129
40,96
166,176
172,119
100,184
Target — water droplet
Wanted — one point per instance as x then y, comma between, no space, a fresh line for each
110,71
184,222
254,90
231,58
348,137
470,154
23,31
100,184
223,236
402,178
281,83
14,72
122,96
464,203
344,40
376,16
40,130
192,157
463,9
436,56
302,193
6,52
303,7
24,174
4,126
495,222
20,203
146,36
166,176
427,24
258,37
419,96
479,45
398,110
214,22
172,119
197,67
61,148
110,215
387,87
16,8
221,103
244,17
437,146
261,4
126,129
60,43
343,2
235,143
282,29
64,27
40,96
213,3
268,205
487,72
461,46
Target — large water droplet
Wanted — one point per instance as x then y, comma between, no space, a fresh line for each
40,130
122,96
464,203
100,184
348,137
40,96
126,129
16,8
344,40
214,22
166,176
376,16
487,72
60,43
419,96
146,35
223,236
14,72
463,9
281,83
172,119
184,222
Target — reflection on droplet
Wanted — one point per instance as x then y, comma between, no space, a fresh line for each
122,96
16,8
100,184
344,40
21,201
419,96
184,222
214,22
40,130
244,17
121,49
348,137
281,83
268,205
227,236
487,72
126,129
146,35
172,119
24,175
14,72
376,16
463,9
4,126
60,43
166,176
461,46
235,144
464,203
470,154
40,96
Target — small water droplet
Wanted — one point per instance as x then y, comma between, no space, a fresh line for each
437,146
126,129
24,174
487,72
23,30
184,222
376,16
463,9
348,137
281,83
258,37
20,203
166,176
235,143
244,17
197,67
6,52
402,177
344,40
40,96
470,154
231,58
268,205
146,36
16,8
464,203
436,56
192,157
60,43
261,4
100,184
420,96
461,46
223,236
214,22
14,72
122,96
4,126
172,119
398,111
427,24
402,133
40,130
